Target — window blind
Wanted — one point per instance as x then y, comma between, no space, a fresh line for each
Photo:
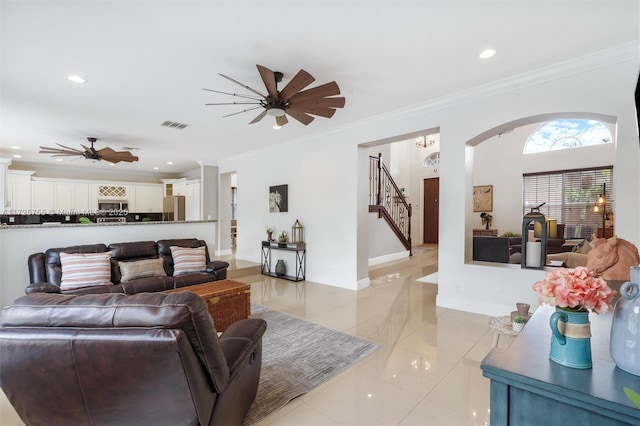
570,197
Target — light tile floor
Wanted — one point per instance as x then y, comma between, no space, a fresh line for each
426,372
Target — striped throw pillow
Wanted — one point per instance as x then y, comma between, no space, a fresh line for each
188,259
85,270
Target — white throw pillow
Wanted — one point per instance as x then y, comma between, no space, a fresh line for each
141,269
85,270
187,259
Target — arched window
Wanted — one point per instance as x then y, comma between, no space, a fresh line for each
432,160
564,134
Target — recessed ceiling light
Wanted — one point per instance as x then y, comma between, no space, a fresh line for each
169,162
156,168
487,53
58,159
15,147
17,156
77,79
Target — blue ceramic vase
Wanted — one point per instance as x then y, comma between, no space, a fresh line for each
571,338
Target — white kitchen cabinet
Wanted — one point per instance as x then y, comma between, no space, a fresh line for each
72,198
63,201
192,200
93,196
148,199
180,188
81,202
19,190
43,196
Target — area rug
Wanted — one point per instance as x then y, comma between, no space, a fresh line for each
297,356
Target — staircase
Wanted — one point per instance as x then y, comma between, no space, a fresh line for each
388,201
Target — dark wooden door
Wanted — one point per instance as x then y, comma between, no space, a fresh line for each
431,210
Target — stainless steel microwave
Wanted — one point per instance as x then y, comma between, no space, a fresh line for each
113,205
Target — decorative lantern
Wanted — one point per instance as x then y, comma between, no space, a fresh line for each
534,251
297,232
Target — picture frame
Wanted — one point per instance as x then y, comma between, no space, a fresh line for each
278,199
483,198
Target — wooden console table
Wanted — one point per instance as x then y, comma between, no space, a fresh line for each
527,388
481,232
300,250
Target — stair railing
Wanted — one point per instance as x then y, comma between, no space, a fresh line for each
386,199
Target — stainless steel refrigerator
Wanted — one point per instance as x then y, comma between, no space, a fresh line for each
173,208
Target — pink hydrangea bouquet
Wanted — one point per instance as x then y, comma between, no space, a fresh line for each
576,289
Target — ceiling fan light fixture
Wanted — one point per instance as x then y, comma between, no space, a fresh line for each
275,111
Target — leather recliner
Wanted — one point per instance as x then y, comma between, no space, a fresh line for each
112,359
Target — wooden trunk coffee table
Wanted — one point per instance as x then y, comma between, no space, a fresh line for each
228,301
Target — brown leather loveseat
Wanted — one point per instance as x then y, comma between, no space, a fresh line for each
113,359
45,269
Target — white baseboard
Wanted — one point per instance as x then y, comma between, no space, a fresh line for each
388,258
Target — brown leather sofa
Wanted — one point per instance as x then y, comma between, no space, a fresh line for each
45,271
113,359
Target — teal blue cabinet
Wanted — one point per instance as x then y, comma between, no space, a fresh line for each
527,388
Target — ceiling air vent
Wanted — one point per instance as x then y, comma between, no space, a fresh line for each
174,125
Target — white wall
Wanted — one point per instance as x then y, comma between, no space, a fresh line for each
499,161
322,195
327,193
384,245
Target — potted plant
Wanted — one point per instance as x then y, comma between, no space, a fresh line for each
487,219
518,323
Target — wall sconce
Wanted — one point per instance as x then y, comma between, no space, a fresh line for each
422,142
534,253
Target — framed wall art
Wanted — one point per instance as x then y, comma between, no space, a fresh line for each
278,199
483,198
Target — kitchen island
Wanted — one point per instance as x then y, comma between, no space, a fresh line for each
17,242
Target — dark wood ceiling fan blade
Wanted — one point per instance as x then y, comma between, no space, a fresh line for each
233,94
301,80
319,102
259,117
66,151
243,85
301,116
240,112
66,148
322,112
235,103
322,91
61,153
269,80
108,154
282,120
46,150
